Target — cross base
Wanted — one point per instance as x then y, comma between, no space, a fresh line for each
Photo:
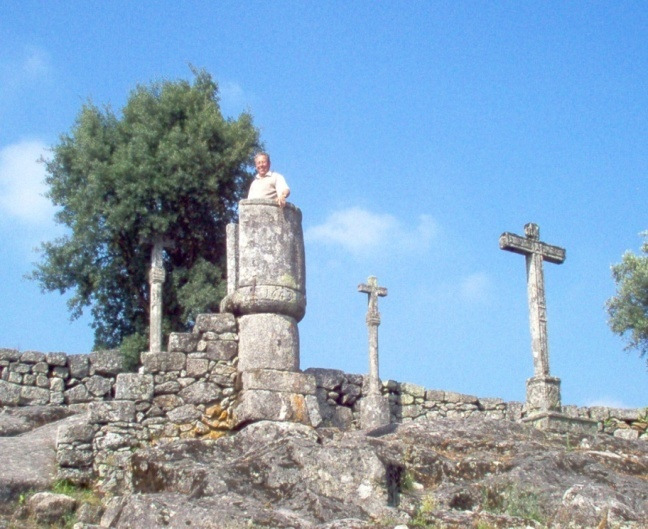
543,395
556,421
280,396
374,412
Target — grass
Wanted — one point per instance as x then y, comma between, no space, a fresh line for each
80,493
420,519
483,525
513,501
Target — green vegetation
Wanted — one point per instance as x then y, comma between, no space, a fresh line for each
481,524
82,495
407,482
512,501
628,309
169,167
421,518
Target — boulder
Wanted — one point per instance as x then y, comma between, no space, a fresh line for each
47,507
29,461
14,421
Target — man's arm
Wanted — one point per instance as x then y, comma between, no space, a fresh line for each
283,191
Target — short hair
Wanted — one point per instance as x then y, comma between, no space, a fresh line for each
262,153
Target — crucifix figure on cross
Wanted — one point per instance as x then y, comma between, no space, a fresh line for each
535,252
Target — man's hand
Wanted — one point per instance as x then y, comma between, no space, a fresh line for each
281,198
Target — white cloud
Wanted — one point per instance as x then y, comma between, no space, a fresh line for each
475,287
360,232
607,402
16,73
22,185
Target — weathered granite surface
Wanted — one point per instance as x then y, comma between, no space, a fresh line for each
14,421
28,459
447,471
459,472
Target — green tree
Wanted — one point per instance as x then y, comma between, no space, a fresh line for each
170,166
628,310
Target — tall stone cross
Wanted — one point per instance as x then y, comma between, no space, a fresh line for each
156,278
535,252
373,320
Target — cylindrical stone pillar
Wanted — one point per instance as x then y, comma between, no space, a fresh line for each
271,266
156,278
268,341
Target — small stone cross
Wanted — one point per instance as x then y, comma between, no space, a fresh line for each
535,252
372,288
373,320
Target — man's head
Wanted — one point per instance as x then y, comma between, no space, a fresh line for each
262,163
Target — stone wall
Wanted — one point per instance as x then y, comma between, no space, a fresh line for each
185,393
33,378
189,393
339,395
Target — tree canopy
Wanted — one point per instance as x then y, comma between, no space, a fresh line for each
170,166
628,309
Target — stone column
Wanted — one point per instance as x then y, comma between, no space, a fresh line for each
374,407
156,279
232,257
268,297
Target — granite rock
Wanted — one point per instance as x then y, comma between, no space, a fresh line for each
459,473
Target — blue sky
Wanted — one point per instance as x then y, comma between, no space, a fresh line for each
412,134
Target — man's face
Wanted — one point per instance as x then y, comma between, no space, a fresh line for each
262,165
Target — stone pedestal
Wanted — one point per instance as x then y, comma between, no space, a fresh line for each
268,394
374,411
544,409
551,420
268,341
267,294
268,268
543,394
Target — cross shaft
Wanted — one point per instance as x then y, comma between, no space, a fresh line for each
373,320
535,252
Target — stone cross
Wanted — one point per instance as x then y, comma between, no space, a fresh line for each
535,252
373,320
156,278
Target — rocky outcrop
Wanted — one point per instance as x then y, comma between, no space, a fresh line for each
457,472
29,457
454,473
14,421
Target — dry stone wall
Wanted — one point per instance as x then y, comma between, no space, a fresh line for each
33,378
190,392
339,395
185,393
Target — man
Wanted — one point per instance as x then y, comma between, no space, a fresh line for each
267,183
